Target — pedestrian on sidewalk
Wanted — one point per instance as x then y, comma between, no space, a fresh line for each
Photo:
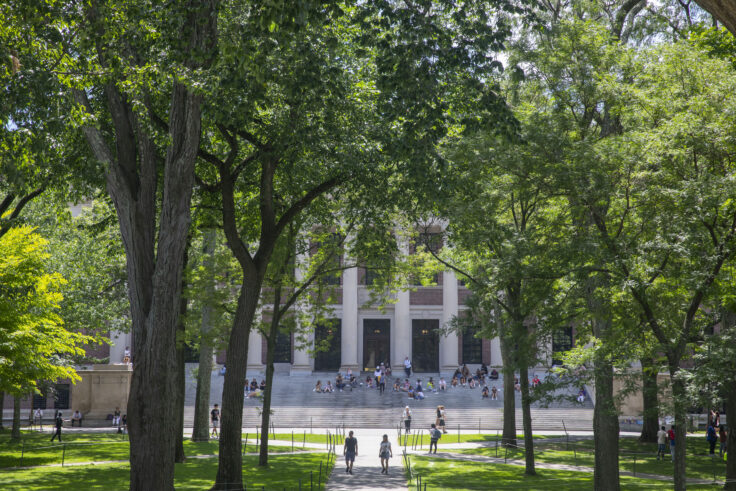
671,436
711,438
215,417
407,419
59,424
385,453
661,443
350,450
434,436
723,436
441,418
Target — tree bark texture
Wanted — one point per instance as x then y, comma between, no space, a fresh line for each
651,405
2,405
200,432
509,398
526,417
731,440
230,467
15,432
179,455
606,428
723,10
266,413
679,400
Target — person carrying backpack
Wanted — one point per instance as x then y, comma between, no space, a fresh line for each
434,436
710,436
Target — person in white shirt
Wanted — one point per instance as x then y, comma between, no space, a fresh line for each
407,366
385,453
661,443
38,417
77,416
126,355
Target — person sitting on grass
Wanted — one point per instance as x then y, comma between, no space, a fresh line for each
484,392
318,386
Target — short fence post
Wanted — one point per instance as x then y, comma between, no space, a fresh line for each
310,425
575,456
63,455
634,464
300,485
292,441
319,478
304,438
478,425
505,454
22,451
458,433
496,443
258,435
311,480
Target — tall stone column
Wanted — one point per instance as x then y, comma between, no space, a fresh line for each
496,360
401,330
448,344
303,362
350,327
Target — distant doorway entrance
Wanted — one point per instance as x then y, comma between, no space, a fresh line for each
327,340
425,345
376,342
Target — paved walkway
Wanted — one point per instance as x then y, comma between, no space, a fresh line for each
367,467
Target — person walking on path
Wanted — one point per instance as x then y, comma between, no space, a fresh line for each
407,366
434,436
350,450
723,436
59,424
407,419
661,443
671,436
385,453
38,418
712,438
441,418
215,417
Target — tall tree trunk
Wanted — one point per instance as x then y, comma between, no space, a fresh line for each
651,405
509,397
181,382
266,413
2,407
15,433
526,415
200,432
605,422
679,400
230,468
731,440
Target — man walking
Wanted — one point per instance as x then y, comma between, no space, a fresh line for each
671,435
59,423
215,417
350,450
434,436
407,366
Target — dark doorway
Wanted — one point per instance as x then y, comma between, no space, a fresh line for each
561,342
376,342
282,349
425,345
327,339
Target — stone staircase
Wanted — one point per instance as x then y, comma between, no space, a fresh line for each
296,405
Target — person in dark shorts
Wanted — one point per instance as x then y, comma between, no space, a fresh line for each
215,417
350,450
434,436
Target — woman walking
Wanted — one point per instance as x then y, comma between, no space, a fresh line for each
385,453
407,419
441,418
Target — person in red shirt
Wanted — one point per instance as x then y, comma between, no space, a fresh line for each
671,437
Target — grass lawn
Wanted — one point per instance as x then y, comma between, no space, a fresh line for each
451,437
284,471
89,447
441,474
635,456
